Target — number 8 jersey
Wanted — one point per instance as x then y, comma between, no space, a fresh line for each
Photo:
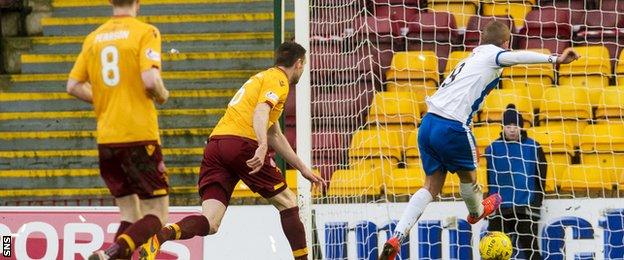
112,60
463,91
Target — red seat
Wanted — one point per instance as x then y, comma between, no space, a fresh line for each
329,150
332,22
546,28
433,31
577,8
345,107
477,23
611,6
414,3
379,33
291,136
601,28
343,68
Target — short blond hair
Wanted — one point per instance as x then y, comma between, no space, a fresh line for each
495,33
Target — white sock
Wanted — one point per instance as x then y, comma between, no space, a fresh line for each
473,197
415,208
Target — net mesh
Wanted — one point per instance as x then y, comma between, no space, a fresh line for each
374,62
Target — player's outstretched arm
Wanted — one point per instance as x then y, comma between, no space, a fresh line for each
280,144
260,121
510,58
155,86
80,90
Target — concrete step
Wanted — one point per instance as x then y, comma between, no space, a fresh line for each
66,140
103,8
184,43
180,24
48,122
180,99
167,75
51,159
237,60
44,194
171,84
79,182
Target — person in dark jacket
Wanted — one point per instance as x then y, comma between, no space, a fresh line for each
516,169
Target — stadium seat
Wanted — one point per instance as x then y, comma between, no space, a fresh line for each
419,88
404,181
241,190
517,11
375,149
455,58
592,71
611,5
329,150
346,106
432,31
414,66
577,8
603,145
451,184
411,152
485,135
547,28
332,22
535,78
496,103
355,183
378,32
601,28
568,107
411,3
461,10
578,178
611,105
476,24
394,108
558,149
619,70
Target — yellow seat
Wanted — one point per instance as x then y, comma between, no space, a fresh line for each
568,107
355,183
241,190
586,177
485,135
534,85
566,102
558,149
517,11
375,143
451,184
592,71
461,10
611,105
455,58
419,91
534,77
404,181
414,66
496,103
619,70
603,145
399,108
410,147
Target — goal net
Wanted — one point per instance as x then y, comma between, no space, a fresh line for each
373,62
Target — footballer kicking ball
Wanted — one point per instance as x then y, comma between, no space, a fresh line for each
495,246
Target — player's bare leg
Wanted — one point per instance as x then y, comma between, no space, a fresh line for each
196,225
286,204
432,187
129,211
471,193
158,207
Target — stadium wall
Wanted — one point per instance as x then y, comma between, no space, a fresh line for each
582,228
